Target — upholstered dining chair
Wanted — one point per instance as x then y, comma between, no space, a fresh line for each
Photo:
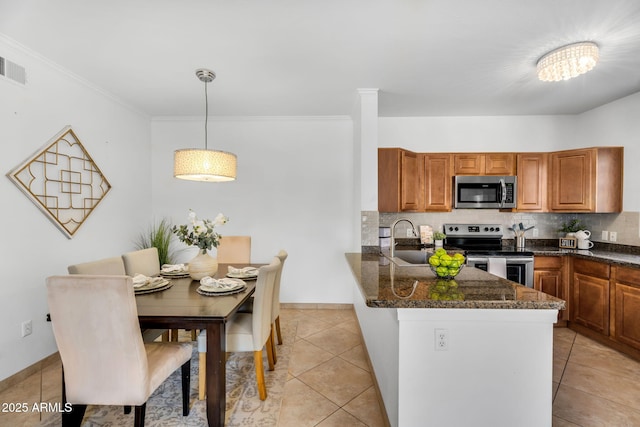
251,331
234,249
110,365
275,311
115,266
143,261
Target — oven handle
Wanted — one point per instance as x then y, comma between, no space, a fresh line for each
511,259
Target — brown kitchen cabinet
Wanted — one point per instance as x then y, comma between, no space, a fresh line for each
484,164
532,182
586,180
437,182
549,277
590,295
413,182
626,305
399,180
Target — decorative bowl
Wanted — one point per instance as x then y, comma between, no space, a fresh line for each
446,272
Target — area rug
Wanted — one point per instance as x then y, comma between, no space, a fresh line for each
244,407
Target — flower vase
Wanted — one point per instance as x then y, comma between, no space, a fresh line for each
438,243
202,265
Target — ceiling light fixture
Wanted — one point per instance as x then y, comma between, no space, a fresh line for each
204,165
568,62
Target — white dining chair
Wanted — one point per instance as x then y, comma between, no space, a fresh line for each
234,249
143,261
111,365
250,331
114,266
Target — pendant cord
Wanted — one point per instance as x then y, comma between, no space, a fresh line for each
206,115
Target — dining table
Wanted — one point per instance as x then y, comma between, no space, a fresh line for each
182,307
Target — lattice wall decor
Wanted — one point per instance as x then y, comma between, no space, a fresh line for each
63,181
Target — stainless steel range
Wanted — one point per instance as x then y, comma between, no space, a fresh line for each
483,248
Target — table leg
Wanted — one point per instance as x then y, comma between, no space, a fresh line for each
216,373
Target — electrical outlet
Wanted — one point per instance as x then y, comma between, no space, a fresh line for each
410,232
442,339
535,232
27,328
605,235
613,236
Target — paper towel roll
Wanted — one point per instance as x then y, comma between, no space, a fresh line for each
497,266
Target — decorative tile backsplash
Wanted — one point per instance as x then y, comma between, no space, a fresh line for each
625,224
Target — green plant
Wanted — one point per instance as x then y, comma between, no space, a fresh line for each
439,236
571,226
158,236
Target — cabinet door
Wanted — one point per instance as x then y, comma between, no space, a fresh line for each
410,181
627,315
571,180
437,182
532,182
549,277
590,305
499,164
626,311
468,164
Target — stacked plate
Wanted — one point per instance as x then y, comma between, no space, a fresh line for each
154,284
177,271
219,287
246,273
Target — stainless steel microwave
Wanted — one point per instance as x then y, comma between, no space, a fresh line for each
484,192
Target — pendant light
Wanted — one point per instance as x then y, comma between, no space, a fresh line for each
204,165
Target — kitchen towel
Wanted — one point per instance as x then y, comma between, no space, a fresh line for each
497,266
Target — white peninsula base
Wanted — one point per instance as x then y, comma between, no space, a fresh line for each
496,369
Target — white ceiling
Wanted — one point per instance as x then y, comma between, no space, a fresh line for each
304,57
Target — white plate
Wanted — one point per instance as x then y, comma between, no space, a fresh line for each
155,287
246,276
239,284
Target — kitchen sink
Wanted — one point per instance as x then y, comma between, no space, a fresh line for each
410,257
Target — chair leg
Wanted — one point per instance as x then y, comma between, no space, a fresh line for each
202,376
174,335
165,336
273,347
138,420
277,322
186,385
74,417
262,387
194,335
269,346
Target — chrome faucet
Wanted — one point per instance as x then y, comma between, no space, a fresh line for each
393,238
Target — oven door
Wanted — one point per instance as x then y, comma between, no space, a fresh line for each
514,268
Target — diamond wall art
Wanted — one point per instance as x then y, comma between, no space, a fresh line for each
63,181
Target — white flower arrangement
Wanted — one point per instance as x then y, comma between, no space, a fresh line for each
200,232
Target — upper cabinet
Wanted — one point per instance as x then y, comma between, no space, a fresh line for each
484,164
412,182
437,182
532,182
586,180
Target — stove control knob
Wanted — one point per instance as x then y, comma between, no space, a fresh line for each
486,229
456,228
491,229
497,228
450,228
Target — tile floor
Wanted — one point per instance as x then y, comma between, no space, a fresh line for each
330,384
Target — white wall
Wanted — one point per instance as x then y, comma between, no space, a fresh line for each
294,191
31,247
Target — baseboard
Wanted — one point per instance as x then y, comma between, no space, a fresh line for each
315,306
28,371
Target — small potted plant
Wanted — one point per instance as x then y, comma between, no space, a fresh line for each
570,228
438,239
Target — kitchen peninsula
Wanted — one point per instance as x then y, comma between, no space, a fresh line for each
479,354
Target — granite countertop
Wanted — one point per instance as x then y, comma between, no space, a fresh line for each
596,254
384,284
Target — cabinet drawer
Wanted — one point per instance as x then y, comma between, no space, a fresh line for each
591,268
630,276
548,262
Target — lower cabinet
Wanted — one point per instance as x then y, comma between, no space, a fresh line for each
626,300
549,277
590,295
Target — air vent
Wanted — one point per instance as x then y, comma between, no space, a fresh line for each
12,71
